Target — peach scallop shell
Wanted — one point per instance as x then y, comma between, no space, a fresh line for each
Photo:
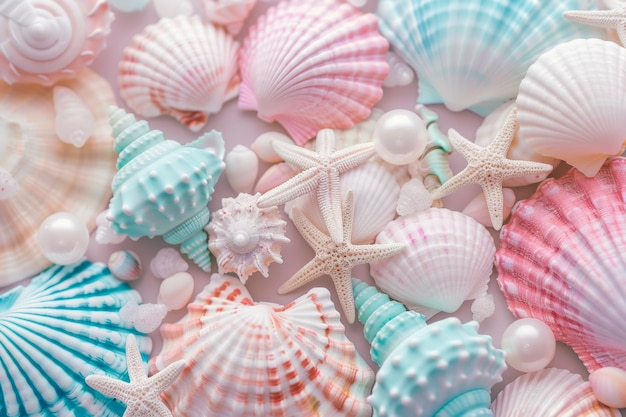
181,67
44,41
312,64
247,359
562,258
571,103
448,258
52,175
550,392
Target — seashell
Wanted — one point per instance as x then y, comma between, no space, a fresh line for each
171,9
609,386
447,259
175,291
262,359
312,64
477,207
104,233
262,146
549,392
489,129
580,123
74,120
442,369
154,73
242,167
167,262
575,288
45,41
57,330
162,188
128,6
473,54
400,74
274,176
245,238
413,197
228,13
53,176
125,265
8,186
145,318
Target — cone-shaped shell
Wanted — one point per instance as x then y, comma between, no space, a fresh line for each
57,330
562,259
247,359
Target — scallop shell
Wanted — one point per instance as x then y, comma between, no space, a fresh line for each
167,262
312,64
245,238
571,104
562,259
447,259
550,392
74,120
180,67
57,330
229,13
53,176
263,360
44,41
473,54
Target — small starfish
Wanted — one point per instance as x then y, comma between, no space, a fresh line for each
142,394
489,166
320,170
609,19
335,258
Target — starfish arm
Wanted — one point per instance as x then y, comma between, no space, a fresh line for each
352,156
363,254
342,280
621,32
110,387
465,147
296,155
502,142
311,234
517,168
164,378
329,200
325,141
609,19
315,268
466,176
348,216
141,408
134,363
494,197
304,182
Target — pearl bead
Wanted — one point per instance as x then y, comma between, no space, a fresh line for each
400,137
63,238
529,344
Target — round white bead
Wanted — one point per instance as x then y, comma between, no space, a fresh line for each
529,344
63,238
400,137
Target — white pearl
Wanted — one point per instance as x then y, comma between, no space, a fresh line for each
400,137
529,344
63,238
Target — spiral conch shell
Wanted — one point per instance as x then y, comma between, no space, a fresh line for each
74,121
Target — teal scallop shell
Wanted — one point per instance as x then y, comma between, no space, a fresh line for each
444,369
474,53
57,330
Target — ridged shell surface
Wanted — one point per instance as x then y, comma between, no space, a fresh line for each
550,392
57,330
247,359
181,67
562,258
448,258
473,54
312,64
571,103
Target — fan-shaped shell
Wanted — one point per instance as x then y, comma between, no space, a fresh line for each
44,41
57,330
562,259
312,64
52,176
448,258
181,67
550,392
263,360
571,103
473,54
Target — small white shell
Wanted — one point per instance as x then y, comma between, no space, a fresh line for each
477,208
175,292
228,13
414,197
125,265
8,185
167,262
145,317
74,121
105,233
262,146
169,8
242,167
400,73
609,386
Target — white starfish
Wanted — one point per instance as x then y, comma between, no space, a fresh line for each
488,167
335,258
142,394
609,19
320,171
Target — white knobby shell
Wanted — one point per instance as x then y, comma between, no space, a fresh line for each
242,167
263,148
74,121
176,291
167,262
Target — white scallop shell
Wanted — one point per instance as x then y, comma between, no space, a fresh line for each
242,167
229,13
154,74
74,120
167,262
571,103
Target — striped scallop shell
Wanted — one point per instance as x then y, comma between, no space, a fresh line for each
57,330
312,64
263,359
181,67
550,392
571,103
562,258
447,259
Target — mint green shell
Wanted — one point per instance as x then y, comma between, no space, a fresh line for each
444,369
56,331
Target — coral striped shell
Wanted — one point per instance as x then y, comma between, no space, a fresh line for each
312,64
247,359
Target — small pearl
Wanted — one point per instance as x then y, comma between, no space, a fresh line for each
63,238
400,137
529,344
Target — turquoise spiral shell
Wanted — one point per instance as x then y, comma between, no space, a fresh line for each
443,369
57,330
